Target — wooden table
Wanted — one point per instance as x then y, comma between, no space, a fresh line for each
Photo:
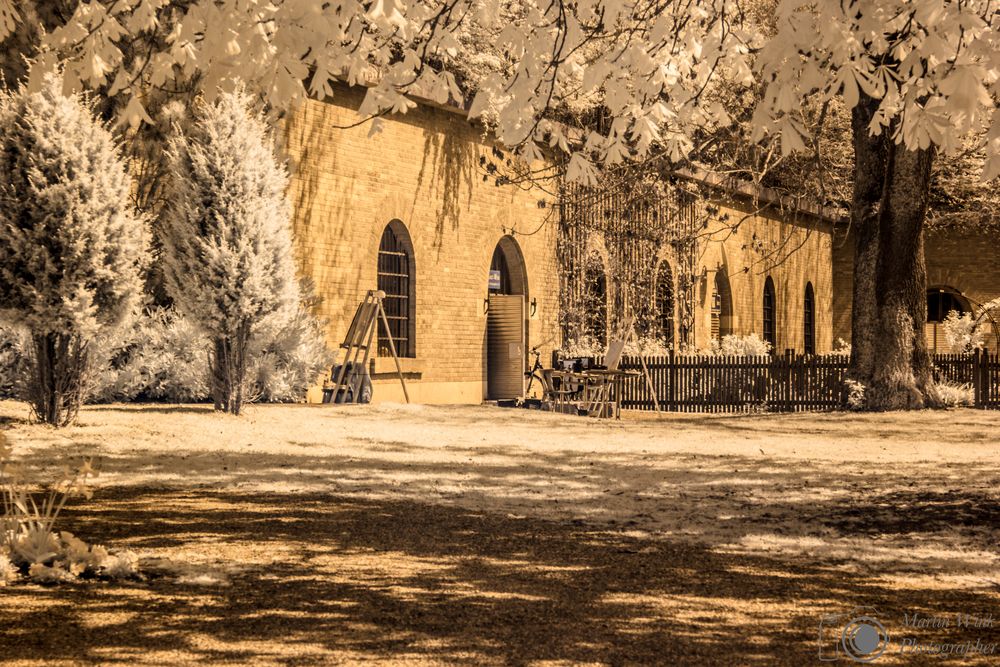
596,387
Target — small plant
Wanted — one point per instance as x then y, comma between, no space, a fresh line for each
29,544
842,348
855,394
954,395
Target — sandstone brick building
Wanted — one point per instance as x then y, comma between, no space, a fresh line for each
963,273
479,273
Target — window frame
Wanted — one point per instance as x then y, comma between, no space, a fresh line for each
395,275
770,315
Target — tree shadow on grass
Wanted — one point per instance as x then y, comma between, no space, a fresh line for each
318,578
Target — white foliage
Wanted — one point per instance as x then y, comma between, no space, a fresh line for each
963,332
163,356
289,360
955,395
227,235
646,346
933,65
855,394
8,572
72,249
751,345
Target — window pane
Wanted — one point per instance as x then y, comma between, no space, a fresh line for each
394,279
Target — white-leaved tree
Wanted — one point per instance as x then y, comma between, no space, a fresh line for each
919,77
72,248
226,238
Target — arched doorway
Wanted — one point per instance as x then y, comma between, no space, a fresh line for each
506,322
941,301
664,303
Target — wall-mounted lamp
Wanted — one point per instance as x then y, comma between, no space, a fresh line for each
486,305
534,307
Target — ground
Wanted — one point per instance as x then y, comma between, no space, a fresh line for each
429,535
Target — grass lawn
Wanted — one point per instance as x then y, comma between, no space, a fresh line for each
429,535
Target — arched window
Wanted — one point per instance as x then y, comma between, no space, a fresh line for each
722,307
940,302
396,279
770,315
596,298
664,302
809,321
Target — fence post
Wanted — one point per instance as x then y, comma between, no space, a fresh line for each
980,377
671,380
788,380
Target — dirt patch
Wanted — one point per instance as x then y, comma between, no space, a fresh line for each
466,535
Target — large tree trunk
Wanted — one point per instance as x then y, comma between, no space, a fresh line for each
889,352
870,157
229,370
58,381
902,377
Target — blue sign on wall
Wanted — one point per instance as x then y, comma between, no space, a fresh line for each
494,279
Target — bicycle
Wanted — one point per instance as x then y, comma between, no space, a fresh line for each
538,385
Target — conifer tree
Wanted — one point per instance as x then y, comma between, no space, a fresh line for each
72,248
226,238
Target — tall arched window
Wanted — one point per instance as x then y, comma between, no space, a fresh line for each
809,321
770,315
396,279
596,298
665,302
722,307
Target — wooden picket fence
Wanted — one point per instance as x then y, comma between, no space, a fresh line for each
781,383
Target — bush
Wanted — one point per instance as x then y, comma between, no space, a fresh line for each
165,357
72,248
750,345
286,362
14,366
162,357
962,332
953,395
584,346
842,348
647,346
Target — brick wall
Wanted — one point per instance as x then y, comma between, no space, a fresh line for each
793,249
423,170
966,261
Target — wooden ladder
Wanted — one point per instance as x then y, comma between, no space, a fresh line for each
358,343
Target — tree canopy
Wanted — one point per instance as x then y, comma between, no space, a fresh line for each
653,66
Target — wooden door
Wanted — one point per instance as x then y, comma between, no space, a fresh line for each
505,347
